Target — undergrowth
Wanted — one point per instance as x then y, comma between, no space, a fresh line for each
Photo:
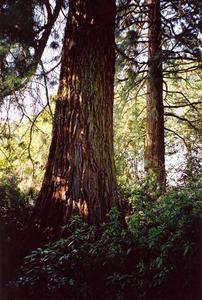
156,256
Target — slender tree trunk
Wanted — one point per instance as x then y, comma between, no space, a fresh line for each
155,145
80,170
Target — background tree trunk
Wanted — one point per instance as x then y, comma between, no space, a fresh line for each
155,145
80,170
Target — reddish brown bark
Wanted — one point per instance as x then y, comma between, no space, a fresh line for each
80,170
155,145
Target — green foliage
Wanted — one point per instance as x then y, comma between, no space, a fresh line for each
169,235
155,257
24,149
16,15
78,264
15,52
14,213
13,203
193,170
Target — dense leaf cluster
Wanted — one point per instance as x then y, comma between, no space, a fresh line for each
14,213
156,256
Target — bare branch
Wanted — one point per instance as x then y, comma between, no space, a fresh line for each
181,119
177,134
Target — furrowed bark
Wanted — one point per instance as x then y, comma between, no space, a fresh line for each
79,174
154,144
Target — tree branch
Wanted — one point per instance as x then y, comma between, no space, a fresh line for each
179,136
181,119
182,105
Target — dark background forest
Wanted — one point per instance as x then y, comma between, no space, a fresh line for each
101,150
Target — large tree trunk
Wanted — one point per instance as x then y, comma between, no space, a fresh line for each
155,145
80,170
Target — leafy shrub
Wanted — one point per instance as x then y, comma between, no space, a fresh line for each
157,256
14,213
15,208
77,265
169,235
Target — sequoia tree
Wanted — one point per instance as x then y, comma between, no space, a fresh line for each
154,145
79,175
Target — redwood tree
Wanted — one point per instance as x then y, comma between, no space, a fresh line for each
79,174
154,145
